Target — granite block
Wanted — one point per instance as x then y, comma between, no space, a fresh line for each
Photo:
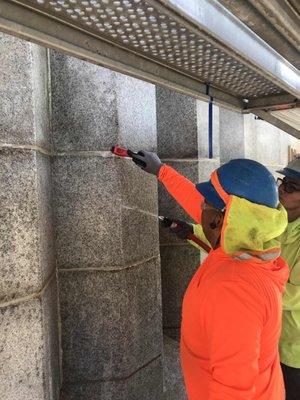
26,370
25,229
173,333
140,236
41,97
178,265
266,143
206,167
173,379
287,141
167,205
177,135
87,203
202,124
144,384
232,135
84,112
139,189
52,349
262,141
136,108
166,236
23,93
46,250
16,91
111,321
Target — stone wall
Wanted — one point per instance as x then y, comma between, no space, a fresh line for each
88,282
181,126
29,362
106,234
244,136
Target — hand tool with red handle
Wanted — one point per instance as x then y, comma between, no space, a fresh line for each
169,223
122,152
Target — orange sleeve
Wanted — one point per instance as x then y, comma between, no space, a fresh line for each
236,322
183,191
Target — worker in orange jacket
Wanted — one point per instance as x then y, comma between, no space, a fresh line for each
231,316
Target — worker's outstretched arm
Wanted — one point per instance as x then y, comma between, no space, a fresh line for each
183,191
235,321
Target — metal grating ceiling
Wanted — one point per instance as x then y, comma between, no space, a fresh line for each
141,27
196,47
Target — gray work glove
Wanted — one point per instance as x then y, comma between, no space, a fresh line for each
148,161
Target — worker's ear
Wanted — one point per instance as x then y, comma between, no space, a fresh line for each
217,221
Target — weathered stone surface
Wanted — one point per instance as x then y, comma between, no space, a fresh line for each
138,189
139,235
26,228
136,108
23,93
45,233
95,108
167,206
111,321
84,114
29,360
93,228
173,333
176,121
173,379
166,236
232,135
206,167
202,124
40,82
52,355
145,384
178,265
265,143
87,211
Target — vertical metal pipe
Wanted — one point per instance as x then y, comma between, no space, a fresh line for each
210,124
210,128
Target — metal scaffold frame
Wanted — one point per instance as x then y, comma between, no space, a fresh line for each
184,45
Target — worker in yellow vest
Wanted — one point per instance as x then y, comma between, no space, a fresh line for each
289,195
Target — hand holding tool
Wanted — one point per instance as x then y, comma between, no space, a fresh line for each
146,160
122,152
184,231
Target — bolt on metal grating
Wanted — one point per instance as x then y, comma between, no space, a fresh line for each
141,27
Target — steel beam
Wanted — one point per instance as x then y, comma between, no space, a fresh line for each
281,14
249,15
36,27
272,103
266,116
215,49
232,33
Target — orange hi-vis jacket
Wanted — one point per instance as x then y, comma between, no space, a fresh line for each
231,318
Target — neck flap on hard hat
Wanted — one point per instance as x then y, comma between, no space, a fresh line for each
250,229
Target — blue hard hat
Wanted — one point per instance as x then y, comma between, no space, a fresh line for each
210,194
243,178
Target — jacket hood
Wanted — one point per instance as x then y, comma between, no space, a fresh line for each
249,229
